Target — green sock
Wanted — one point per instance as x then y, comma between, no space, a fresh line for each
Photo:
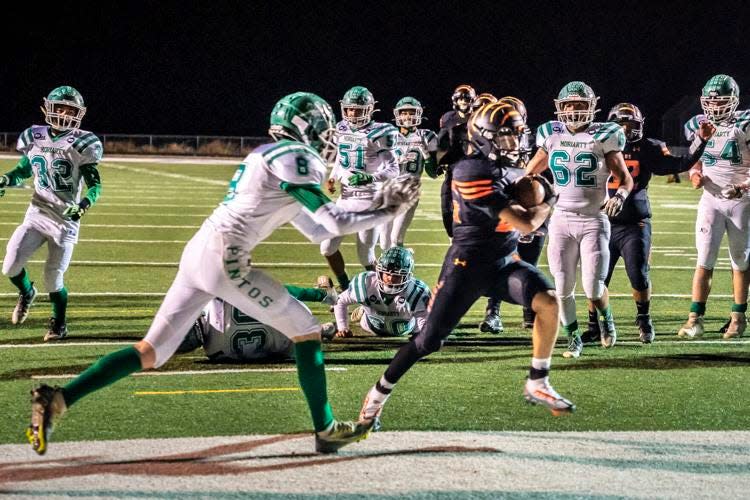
306,294
571,328
21,281
59,301
105,371
312,378
739,308
698,308
605,314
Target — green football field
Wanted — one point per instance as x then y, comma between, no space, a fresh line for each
130,245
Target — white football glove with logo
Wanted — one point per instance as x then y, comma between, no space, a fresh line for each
613,206
397,194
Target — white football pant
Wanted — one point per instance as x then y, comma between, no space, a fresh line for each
574,237
26,240
717,216
212,266
393,233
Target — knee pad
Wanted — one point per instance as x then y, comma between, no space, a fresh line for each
329,247
366,254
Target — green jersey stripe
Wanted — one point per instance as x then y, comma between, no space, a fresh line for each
81,146
84,137
413,303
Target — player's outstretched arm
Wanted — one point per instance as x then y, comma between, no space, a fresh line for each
94,183
538,163
21,171
324,220
616,164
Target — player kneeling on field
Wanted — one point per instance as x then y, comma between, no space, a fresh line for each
228,335
392,302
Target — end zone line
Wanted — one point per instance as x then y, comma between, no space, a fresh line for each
197,372
215,391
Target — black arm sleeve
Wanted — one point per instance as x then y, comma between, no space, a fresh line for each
446,202
662,162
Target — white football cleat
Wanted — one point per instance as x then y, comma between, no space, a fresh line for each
737,326
693,327
540,392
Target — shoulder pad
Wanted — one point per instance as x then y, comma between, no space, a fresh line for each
692,126
295,163
547,129
82,141
448,119
378,130
359,285
601,131
27,137
743,120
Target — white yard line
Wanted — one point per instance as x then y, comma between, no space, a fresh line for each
195,372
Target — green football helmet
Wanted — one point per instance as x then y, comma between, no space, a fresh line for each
720,98
357,106
56,115
580,114
408,112
395,270
307,118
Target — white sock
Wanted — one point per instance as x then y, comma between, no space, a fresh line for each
541,363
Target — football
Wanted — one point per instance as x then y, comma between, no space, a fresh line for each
529,192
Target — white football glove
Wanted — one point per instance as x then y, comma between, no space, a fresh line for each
613,207
397,194
731,192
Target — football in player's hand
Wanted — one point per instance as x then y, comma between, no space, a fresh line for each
528,192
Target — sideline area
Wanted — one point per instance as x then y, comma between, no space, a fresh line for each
404,464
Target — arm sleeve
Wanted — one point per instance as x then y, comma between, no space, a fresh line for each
662,162
341,310
446,203
93,182
311,196
21,171
328,221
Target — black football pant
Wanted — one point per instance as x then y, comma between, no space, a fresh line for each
632,242
468,273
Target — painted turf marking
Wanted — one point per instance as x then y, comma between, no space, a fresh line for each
215,391
267,265
178,372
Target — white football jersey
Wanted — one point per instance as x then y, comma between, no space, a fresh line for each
413,149
231,335
56,163
726,159
256,204
386,315
370,149
577,162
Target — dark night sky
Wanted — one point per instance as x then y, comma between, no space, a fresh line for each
218,67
